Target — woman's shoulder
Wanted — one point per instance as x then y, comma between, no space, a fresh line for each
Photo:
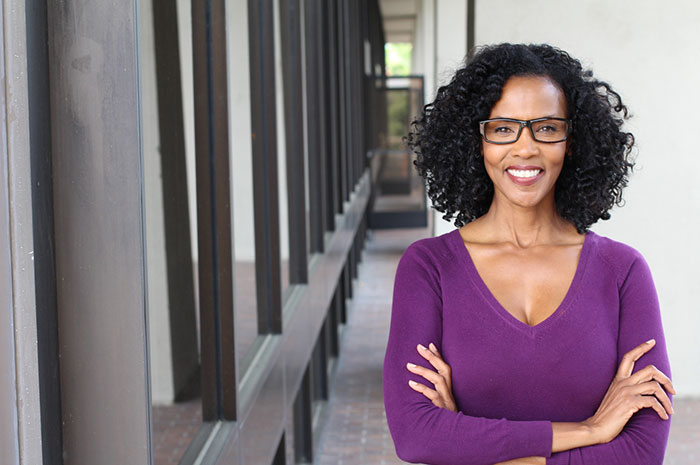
618,255
434,251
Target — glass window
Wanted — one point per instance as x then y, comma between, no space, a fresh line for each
170,225
242,186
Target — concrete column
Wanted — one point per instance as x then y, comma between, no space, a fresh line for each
20,396
99,232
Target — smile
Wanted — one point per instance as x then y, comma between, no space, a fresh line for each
524,173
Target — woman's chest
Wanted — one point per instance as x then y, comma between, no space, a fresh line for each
529,285
505,369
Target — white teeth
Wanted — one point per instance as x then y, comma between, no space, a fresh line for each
524,173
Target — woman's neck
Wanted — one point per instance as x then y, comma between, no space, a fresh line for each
524,227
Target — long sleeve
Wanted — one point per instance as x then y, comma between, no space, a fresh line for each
425,433
643,440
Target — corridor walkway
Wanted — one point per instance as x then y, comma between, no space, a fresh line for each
356,432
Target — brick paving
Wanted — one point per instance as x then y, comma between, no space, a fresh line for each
174,427
356,431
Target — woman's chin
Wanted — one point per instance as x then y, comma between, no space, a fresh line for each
526,200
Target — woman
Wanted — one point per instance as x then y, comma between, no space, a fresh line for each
551,334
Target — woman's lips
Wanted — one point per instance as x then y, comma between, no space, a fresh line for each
525,176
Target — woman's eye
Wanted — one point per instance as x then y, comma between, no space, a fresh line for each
503,130
547,129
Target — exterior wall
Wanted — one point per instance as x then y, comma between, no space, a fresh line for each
20,414
644,56
450,50
423,56
109,198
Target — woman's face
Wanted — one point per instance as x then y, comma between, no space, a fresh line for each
525,172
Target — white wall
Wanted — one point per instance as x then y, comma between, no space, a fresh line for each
240,130
450,42
423,53
450,38
647,51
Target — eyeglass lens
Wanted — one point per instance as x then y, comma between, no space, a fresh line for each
549,130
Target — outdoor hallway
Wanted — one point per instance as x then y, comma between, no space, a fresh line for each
356,432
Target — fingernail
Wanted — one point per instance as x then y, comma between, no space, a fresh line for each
421,347
432,347
412,383
411,365
651,341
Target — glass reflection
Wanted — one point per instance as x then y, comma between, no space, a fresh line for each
281,158
242,186
170,230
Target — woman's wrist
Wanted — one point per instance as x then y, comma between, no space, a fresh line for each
566,436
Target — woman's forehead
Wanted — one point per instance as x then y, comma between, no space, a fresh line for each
529,97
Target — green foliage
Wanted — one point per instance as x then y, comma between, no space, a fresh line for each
398,58
397,117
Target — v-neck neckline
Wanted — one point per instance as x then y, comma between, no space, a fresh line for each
571,292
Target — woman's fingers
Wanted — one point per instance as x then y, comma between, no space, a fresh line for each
425,390
438,381
652,388
434,350
435,359
651,373
426,373
651,402
441,396
628,360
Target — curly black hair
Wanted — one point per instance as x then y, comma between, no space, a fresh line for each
447,142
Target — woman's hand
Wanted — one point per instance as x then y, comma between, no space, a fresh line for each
441,396
629,393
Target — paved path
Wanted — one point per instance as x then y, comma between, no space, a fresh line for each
356,432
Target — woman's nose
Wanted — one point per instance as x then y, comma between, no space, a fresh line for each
526,145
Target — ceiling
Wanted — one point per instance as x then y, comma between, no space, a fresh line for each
399,18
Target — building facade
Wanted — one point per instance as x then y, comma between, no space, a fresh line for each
184,203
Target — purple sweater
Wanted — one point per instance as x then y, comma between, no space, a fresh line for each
511,380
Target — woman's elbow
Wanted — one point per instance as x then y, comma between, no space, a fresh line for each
415,442
410,440
412,450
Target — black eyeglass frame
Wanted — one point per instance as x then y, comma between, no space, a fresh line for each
523,124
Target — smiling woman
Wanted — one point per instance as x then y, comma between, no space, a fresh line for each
523,337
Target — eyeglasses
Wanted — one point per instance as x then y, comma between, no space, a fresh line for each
507,130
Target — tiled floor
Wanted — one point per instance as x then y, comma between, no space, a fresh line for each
356,432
